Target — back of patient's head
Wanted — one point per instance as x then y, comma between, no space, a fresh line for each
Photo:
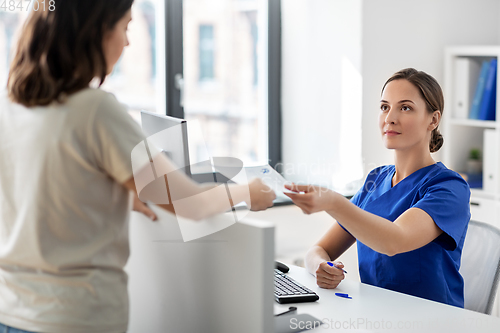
431,92
59,52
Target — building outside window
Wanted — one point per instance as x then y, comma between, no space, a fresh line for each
225,76
206,49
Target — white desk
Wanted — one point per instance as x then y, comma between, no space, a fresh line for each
373,309
296,232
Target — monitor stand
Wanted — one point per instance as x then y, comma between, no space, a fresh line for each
211,177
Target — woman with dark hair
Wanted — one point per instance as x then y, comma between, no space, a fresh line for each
409,219
66,179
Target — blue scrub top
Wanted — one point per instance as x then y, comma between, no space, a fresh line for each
431,271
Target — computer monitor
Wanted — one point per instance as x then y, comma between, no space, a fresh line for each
221,283
170,135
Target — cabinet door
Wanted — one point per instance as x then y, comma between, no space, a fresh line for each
490,161
484,210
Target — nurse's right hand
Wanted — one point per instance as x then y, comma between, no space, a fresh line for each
329,277
261,195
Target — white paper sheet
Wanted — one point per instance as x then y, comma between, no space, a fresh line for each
269,176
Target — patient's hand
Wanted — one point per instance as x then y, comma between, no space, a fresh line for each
143,208
261,195
329,277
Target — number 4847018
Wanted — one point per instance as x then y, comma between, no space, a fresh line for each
20,5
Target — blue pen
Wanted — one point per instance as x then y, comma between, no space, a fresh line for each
343,295
333,265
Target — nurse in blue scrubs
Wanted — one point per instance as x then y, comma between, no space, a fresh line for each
409,219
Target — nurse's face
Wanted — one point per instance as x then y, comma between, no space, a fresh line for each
404,120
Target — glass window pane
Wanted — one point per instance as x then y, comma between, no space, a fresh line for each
206,52
225,76
10,27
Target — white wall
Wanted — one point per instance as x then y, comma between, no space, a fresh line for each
321,66
399,34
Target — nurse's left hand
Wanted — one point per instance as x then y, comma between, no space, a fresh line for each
312,199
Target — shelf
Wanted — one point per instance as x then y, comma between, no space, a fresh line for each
475,123
473,51
479,193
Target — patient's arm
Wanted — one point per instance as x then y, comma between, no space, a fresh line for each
197,201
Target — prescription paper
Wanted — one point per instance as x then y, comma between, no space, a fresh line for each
269,176
233,169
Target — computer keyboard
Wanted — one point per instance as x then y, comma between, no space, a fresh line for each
287,290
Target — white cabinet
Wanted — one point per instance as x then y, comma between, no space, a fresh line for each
485,210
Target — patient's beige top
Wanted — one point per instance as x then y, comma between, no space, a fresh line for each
64,214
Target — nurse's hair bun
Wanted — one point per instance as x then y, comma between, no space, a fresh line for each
436,141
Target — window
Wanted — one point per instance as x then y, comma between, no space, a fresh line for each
254,31
206,48
224,62
10,25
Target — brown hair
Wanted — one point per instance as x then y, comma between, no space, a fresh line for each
60,51
431,92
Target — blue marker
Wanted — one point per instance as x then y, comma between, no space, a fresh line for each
333,265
